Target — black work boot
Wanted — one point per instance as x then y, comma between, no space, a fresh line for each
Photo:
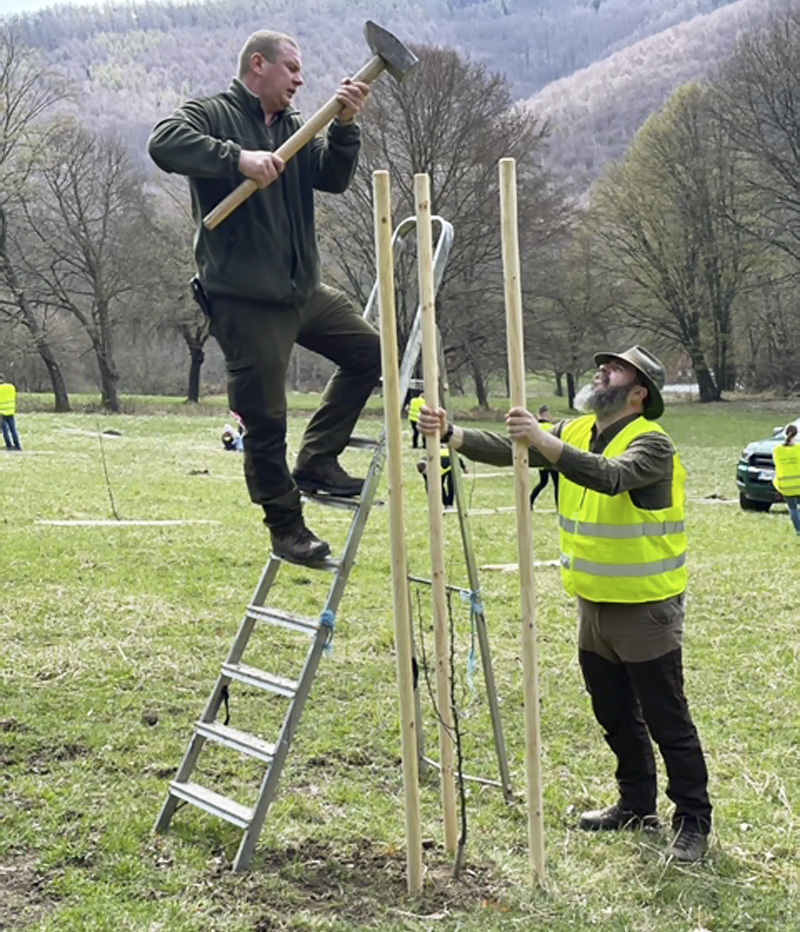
296,544
326,475
617,817
689,844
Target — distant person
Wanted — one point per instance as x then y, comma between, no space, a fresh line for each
258,275
232,439
414,407
8,411
446,472
546,423
787,473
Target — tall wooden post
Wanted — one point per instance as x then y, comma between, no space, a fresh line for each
394,442
530,659
441,622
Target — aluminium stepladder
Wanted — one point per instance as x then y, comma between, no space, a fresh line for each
320,631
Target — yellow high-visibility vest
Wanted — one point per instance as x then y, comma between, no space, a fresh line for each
414,407
612,550
787,469
8,399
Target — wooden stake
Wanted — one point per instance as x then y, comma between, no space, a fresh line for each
394,440
530,658
441,621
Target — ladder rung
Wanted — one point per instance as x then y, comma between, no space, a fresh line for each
212,802
427,582
363,443
349,503
274,616
253,677
240,741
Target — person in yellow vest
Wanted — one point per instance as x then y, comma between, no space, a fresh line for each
623,553
787,473
8,411
543,417
446,470
414,407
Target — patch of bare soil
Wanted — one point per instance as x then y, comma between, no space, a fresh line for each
359,885
23,900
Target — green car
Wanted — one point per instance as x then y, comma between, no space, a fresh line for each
756,470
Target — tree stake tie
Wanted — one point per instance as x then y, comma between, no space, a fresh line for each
328,620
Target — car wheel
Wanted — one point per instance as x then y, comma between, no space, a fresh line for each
750,504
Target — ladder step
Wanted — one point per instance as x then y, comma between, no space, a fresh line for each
212,802
253,677
240,741
274,616
349,503
428,582
363,443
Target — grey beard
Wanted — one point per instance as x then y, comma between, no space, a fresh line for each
602,401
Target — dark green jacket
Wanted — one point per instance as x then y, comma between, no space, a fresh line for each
267,248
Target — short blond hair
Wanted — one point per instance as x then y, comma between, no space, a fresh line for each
264,42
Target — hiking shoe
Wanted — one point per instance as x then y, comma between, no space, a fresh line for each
688,845
617,817
296,544
326,476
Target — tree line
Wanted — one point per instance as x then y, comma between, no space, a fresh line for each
690,243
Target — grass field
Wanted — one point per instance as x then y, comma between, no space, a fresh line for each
113,636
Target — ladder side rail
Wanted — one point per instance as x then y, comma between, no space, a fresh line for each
399,241
441,254
272,777
477,610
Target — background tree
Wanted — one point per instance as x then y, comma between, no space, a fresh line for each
452,119
87,216
757,101
28,91
571,317
670,217
173,233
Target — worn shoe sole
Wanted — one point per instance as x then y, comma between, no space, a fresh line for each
318,559
312,486
649,823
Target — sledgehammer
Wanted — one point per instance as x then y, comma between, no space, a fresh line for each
389,54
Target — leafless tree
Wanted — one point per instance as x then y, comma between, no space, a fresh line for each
454,120
28,90
87,216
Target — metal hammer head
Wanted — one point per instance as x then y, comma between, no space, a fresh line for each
397,58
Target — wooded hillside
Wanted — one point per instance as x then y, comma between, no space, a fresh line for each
596,112
133,62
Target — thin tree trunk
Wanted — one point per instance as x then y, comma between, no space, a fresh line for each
197,358
480,385
570,390
559,389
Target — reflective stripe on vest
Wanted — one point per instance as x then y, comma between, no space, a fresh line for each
787,469
612,550
622,531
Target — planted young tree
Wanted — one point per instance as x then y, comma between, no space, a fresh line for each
88,221
454,120
27,91
670,218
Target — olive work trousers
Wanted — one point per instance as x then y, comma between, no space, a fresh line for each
257,339
631,660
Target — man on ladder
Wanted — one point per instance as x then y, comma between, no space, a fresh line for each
259,283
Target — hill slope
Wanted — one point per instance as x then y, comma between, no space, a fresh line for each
596,112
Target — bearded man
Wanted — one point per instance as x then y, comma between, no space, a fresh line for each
623,550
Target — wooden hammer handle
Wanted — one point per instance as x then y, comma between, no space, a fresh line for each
369,73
